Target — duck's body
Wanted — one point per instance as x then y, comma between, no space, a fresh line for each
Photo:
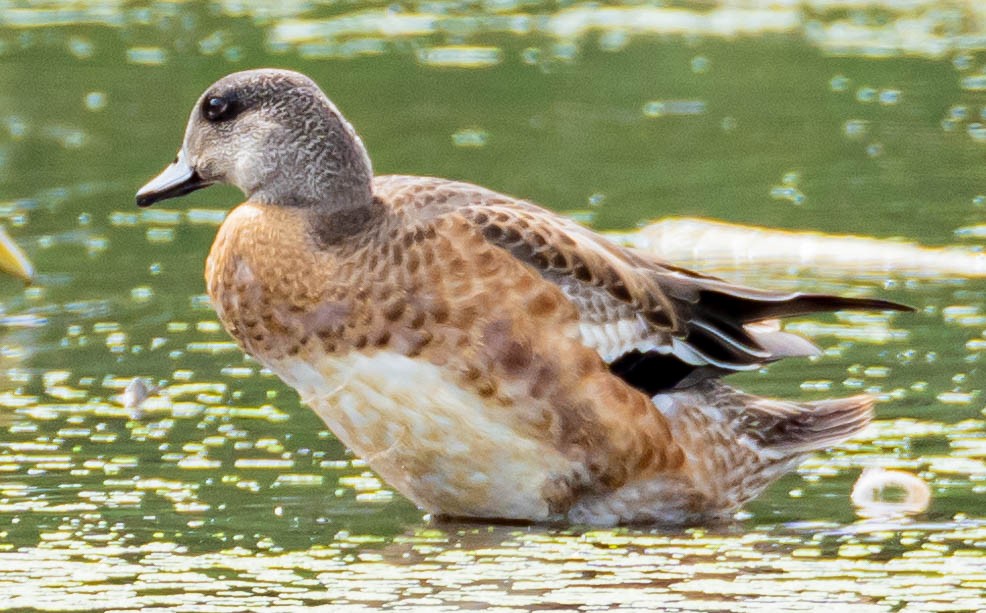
466,381
491,359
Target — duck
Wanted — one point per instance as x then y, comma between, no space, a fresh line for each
489,358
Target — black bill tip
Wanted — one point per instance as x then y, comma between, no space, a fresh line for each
146,197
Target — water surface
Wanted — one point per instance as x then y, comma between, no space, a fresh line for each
228,494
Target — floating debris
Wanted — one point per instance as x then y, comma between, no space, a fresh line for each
872,496
715,243
136,393
13,261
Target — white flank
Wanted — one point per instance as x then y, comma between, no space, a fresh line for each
442,446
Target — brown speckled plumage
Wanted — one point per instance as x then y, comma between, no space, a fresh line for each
487,357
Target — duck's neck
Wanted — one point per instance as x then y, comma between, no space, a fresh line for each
333,194
335,170
330,186
339,228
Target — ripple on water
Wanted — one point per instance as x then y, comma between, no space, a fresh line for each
664,108
470,138
147,56
460,56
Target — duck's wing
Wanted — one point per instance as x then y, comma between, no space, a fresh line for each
654,323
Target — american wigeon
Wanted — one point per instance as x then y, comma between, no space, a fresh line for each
488,357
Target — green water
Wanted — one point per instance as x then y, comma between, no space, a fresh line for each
228,494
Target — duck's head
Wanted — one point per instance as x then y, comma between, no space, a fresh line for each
275,135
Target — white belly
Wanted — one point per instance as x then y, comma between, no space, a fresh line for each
444,447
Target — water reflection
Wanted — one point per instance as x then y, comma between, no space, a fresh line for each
928,566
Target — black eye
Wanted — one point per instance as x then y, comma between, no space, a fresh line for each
219,108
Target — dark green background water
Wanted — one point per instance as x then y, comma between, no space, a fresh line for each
231,495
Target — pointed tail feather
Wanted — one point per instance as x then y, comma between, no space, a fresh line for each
720,321
802,428
803,304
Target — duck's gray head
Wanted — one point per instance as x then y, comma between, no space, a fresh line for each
276,136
